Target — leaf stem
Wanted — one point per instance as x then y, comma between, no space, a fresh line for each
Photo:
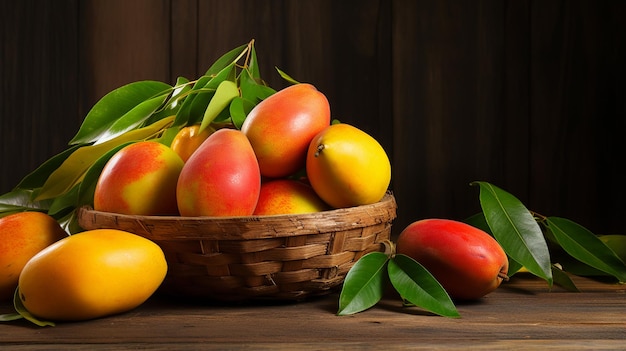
390,248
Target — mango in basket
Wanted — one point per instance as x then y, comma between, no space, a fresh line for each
91,274
188,140
288,196
281,127
221,178
347,167
22,236
140,179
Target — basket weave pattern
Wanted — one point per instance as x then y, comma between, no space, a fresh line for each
242,258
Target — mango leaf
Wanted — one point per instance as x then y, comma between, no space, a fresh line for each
173,103
514,267
225,93
586,247
37,178
563,280
19,200
417,286
251,90
364,284
19,307
132,119
286,77
114,105
64,203
69,223
239,109
195,105
253,65
227,59
516,230
168,136
74,167
183,113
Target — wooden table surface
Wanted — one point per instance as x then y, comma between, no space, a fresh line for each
521,314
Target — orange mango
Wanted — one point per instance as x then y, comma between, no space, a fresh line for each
221,178
281,127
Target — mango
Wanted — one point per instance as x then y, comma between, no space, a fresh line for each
288,196
22,236
281,127
221,178
188,139
90,275
466,261
140,179
347,167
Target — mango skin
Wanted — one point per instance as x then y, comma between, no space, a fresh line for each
221,178
188,140
22,236
281,127
90,275
288,196
467,262
347,167
140,179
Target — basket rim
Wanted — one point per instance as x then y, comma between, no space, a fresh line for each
242,227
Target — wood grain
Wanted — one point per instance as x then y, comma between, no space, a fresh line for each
520,314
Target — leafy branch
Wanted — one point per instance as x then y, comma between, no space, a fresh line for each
143,110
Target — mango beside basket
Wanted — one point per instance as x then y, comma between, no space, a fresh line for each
284,257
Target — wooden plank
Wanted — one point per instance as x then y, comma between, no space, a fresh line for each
522,312
451,78
39,87
184,40
121,42
577,104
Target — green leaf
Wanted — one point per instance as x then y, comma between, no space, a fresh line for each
225,93
563,280
21,200
132,119
364,284
74,167
114,105
514,267
228,59
239,109
251,90
174,102
586,247
286,77
64,202
37,178
253,65
196,103
418,286
516,230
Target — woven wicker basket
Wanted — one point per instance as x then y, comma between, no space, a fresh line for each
284,257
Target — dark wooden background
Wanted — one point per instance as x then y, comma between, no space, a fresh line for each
528,95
